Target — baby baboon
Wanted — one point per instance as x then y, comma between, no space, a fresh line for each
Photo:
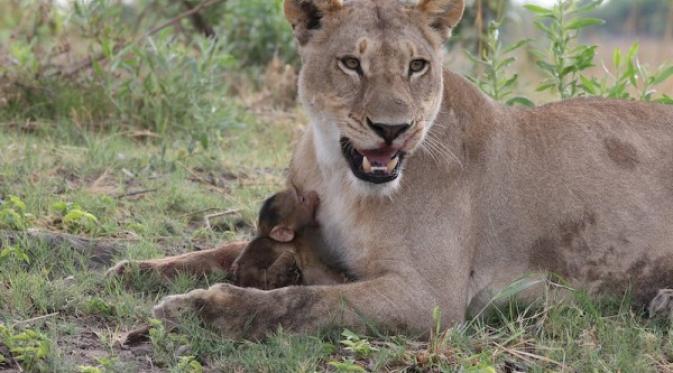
286,249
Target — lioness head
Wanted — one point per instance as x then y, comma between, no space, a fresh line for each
371,80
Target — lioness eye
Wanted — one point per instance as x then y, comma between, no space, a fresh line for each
351,63
416,66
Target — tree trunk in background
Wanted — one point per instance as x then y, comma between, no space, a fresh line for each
668,36
631,25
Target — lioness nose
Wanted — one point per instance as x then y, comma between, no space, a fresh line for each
388,132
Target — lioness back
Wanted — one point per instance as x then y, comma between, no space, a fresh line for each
584,189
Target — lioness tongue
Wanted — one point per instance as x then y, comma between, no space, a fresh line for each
379,157
381,160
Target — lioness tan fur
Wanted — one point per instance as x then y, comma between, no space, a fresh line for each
486,193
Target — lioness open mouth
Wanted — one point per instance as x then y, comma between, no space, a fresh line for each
377,166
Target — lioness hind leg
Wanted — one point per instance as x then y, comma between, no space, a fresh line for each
662,304
196,263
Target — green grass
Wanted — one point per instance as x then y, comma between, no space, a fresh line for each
60,313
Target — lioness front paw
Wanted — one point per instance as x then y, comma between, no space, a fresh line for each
171,307
234,312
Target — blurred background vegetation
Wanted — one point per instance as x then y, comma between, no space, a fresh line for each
163,65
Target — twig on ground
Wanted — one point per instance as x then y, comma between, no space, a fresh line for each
136,193
31,320
217,214
527,355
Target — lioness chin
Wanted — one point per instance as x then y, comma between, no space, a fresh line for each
434,195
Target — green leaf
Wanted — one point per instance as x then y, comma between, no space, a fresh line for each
510,82
512,47
633,51
545,87
18,203
538,10
506,62
519,100
589,85
617,57
546,66
588,7
665,99
580,23
663,75
60,207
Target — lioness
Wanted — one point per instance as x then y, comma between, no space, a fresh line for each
433,195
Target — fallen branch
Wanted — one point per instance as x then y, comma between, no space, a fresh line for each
136,193
99,251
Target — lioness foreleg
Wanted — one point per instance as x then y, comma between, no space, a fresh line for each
386,302
197,263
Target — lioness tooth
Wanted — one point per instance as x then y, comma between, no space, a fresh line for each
366,165
392,164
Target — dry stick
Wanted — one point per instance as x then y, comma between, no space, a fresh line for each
91,60
28,321
223,213
135,193
526,355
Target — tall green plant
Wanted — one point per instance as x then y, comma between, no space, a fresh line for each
491,67
564,58
629,79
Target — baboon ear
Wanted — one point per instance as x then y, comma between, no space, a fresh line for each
305,15
282,233
442,15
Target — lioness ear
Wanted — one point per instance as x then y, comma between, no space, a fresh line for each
442,15
282,233
305,15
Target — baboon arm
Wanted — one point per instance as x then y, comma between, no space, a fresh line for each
197,262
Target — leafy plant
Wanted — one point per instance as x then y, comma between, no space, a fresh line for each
357,345
30,347
629,77
75,218
168,86
188,364
13,214
14,252
564,59
493,62
347,366
256,31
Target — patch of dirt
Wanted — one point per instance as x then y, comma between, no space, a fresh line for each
90,343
